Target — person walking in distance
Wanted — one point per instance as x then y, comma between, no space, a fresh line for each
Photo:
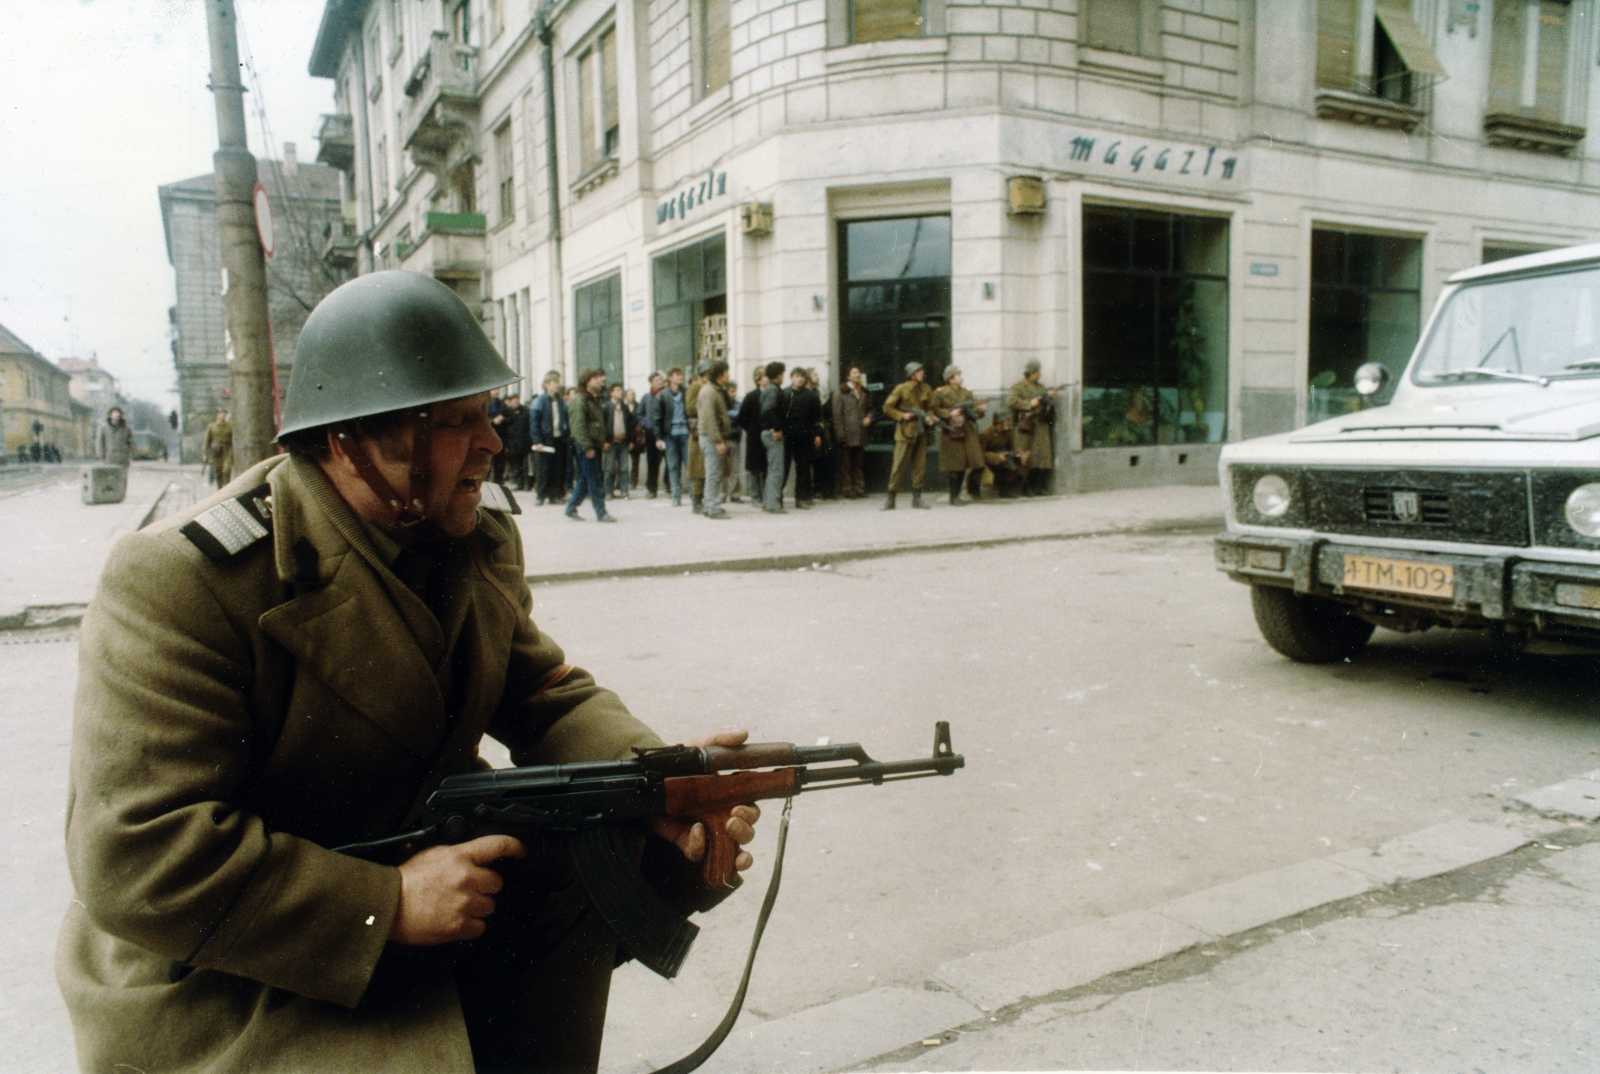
550,433
716,436
909,407
852,417
218,449
588,441
960,453
1033,411
774,408
113,441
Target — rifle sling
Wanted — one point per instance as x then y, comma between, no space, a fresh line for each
718,1035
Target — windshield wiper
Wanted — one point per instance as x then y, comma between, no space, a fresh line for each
1493,374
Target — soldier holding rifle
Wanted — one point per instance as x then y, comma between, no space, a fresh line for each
293,666
958,412
908,406
1032,407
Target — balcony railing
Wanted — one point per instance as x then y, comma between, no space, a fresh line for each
340,241
336,142
450,247
440,118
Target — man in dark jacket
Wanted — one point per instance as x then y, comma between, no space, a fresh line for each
513,430
619,423
749,422
774,409
588,441
802,432
549,434
650,417
852,414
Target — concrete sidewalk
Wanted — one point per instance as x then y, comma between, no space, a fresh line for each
64,543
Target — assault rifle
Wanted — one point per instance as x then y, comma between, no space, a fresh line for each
591,809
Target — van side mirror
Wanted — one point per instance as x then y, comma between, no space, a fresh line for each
1371,379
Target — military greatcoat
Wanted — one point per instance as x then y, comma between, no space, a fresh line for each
959,448
1032,434
241,711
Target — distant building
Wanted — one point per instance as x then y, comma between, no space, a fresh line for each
92,386
35,403
305,209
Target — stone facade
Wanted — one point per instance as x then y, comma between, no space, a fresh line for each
305,200
1212,124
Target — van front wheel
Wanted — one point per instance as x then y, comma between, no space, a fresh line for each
1307,629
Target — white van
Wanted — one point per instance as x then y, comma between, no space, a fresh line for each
1472,499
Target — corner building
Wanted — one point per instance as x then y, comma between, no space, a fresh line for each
1199,215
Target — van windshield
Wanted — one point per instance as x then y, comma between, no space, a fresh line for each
1528,328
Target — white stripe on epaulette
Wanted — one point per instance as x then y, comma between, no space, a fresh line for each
232,524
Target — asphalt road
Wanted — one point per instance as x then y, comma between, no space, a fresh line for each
1128,740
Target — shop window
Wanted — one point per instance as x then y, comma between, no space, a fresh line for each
597,317
1155,328
712,57
688,285
1366,306
599,127
1373,49
895,278
505,171
1131,26
1530,91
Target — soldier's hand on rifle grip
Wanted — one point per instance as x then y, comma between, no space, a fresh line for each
446,891
727,830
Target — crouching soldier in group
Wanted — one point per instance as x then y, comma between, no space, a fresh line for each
1001,459
909,406
289,667
1033,409
960,453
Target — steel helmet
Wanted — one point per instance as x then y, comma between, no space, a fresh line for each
911,368
387,341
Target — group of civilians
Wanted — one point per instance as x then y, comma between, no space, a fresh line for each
691,438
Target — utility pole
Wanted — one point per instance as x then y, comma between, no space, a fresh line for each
244,271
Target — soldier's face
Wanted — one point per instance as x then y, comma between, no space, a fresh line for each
461,444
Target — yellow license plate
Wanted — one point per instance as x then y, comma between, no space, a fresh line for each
1400,576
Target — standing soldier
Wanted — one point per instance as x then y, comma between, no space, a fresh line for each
908,405
1034,411
959,449
697,462
851,416
218,449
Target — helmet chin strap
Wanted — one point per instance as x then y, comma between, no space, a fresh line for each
406,514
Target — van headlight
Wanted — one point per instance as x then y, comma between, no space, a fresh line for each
1271,497
1583,510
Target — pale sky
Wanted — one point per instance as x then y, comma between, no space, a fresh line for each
104,101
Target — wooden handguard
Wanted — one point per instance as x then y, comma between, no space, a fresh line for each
710,800
754,755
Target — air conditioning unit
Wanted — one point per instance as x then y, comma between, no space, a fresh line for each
1025,195
755,218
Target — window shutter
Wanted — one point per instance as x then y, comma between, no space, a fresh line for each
1336,44
884,20
1113,24
717,50
1505,60
608,89
1551,94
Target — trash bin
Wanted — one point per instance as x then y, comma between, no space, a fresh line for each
105,484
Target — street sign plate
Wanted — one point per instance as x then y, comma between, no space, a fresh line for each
258,198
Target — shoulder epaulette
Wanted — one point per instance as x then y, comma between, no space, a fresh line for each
498,498
228,528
